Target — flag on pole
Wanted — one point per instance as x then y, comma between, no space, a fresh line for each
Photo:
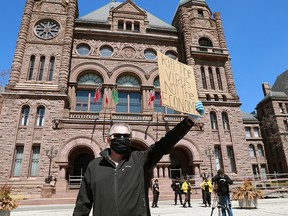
160,102
115,95
152,97
97,94
106,98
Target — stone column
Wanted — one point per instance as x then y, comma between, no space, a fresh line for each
67,47
155,172
21,43
160,172
166,172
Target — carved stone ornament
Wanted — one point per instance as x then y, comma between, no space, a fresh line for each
47,29
128,52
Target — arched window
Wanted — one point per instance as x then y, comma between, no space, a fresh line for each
213,121
51,68
203,76
219,80
31,67
86,91
211,78
225,121
252,151
205,42
89,79
24,115
260,150
41,67
129,99
40,116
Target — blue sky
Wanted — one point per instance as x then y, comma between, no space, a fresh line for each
256,33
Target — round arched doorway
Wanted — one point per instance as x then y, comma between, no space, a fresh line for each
79,159
180,163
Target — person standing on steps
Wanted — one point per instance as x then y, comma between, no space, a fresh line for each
176,186
156,193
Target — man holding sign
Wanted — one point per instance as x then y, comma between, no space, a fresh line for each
177,84
116,183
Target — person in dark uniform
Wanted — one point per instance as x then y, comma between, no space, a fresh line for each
176,186
156,193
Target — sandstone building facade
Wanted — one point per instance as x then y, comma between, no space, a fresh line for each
62,59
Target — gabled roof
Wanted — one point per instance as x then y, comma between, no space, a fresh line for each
281,83
186,1
274,95
100,16
249,117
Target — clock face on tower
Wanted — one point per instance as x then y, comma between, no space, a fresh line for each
47,29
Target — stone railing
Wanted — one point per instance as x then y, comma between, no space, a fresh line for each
132,116
83,115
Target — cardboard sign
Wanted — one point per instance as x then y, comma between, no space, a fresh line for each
177,84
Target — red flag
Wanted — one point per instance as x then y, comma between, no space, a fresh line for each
152,97
106,99
97,95
160,99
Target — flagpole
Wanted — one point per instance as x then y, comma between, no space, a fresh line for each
103,133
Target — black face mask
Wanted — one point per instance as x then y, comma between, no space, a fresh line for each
121,145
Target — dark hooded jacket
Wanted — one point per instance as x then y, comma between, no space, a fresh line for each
123,190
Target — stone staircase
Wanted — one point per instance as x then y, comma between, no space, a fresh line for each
69,196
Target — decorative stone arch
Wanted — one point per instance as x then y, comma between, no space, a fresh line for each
202,34
153,74
192,152
191,147
64,152
144,139
77,71
137,71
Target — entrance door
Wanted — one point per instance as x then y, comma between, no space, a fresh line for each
180,161
80,164
78,161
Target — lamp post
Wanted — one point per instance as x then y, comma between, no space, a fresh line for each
210,153
50,153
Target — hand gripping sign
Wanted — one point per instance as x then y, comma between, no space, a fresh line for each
177,84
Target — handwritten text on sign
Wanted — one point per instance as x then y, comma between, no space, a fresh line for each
177,84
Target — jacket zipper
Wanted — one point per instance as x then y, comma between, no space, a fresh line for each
115,188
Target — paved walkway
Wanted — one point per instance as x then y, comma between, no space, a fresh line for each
266,207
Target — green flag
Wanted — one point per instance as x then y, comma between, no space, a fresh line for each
115,95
